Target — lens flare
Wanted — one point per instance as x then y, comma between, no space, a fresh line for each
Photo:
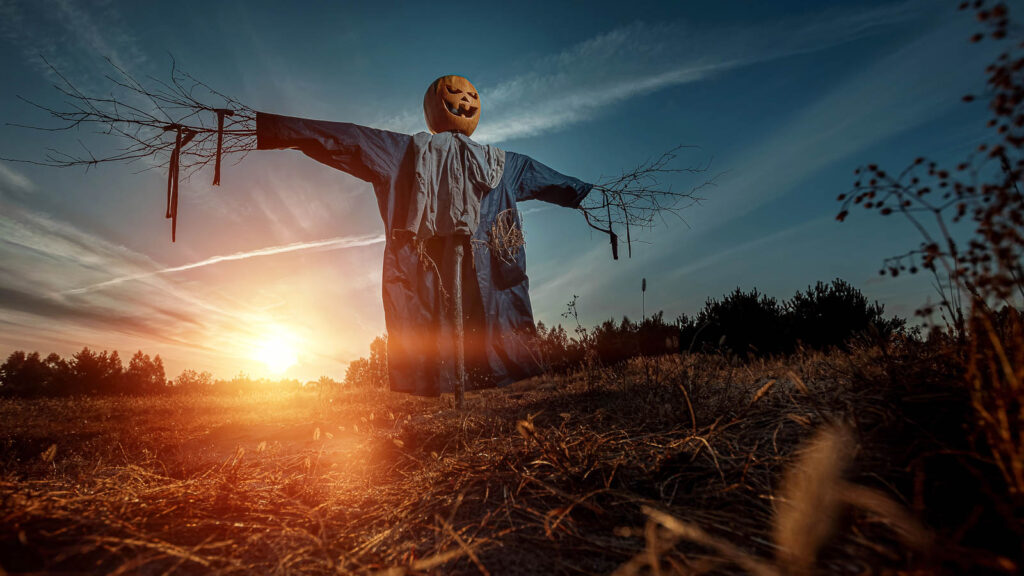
277,352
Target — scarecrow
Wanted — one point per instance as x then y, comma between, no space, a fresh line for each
455,288
453,235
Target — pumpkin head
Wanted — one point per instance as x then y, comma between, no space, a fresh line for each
451,104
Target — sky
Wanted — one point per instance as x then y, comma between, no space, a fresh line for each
781,100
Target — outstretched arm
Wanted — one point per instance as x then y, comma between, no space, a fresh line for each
631,200
535,181
186,125
366,153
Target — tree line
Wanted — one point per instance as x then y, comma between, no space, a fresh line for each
740,323
28,374
745,324
372,371
85,372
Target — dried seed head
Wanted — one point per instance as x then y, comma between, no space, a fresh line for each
810,499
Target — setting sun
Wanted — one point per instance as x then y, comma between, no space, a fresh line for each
277,351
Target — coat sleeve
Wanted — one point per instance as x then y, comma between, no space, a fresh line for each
366,153
535,181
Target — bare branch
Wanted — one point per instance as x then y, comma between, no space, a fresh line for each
637,197
164,124
145,118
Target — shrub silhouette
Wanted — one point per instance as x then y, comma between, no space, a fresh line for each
25,375
377,368
94,372
370,372
556,351
616,342
656,337
191,380
742,322
827,316
144,375
86,372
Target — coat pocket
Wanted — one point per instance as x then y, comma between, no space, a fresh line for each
505,242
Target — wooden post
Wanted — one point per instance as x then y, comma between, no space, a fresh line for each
460,348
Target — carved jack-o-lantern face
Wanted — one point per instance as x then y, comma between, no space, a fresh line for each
451,104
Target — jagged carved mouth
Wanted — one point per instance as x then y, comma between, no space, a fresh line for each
462,110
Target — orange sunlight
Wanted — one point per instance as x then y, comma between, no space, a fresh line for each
277,351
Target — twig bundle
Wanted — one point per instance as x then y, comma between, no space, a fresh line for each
506,236
148,118
638,197
162,124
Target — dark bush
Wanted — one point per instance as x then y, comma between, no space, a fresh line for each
25,375
829,315
742,322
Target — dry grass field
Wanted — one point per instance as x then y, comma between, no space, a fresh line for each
682,464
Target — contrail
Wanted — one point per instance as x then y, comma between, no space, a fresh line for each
336,243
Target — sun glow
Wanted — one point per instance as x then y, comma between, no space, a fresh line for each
277,351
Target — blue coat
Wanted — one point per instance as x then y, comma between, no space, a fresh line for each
498,316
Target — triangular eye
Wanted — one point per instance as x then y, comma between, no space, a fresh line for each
473,94
452,90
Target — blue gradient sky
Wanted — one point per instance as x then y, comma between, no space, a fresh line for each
784,98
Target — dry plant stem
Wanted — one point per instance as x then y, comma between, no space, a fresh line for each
981,284
895,515
813,496
695,534
995,371
809,504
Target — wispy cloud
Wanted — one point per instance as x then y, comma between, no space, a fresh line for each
739,250
336,243
634,60
905,89
12,180
48,307
42,255
45,256
190,321
72,36
109,39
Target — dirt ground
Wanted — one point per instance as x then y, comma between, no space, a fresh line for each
694,464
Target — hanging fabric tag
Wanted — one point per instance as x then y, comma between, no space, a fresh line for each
181,138
221,113
612,236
